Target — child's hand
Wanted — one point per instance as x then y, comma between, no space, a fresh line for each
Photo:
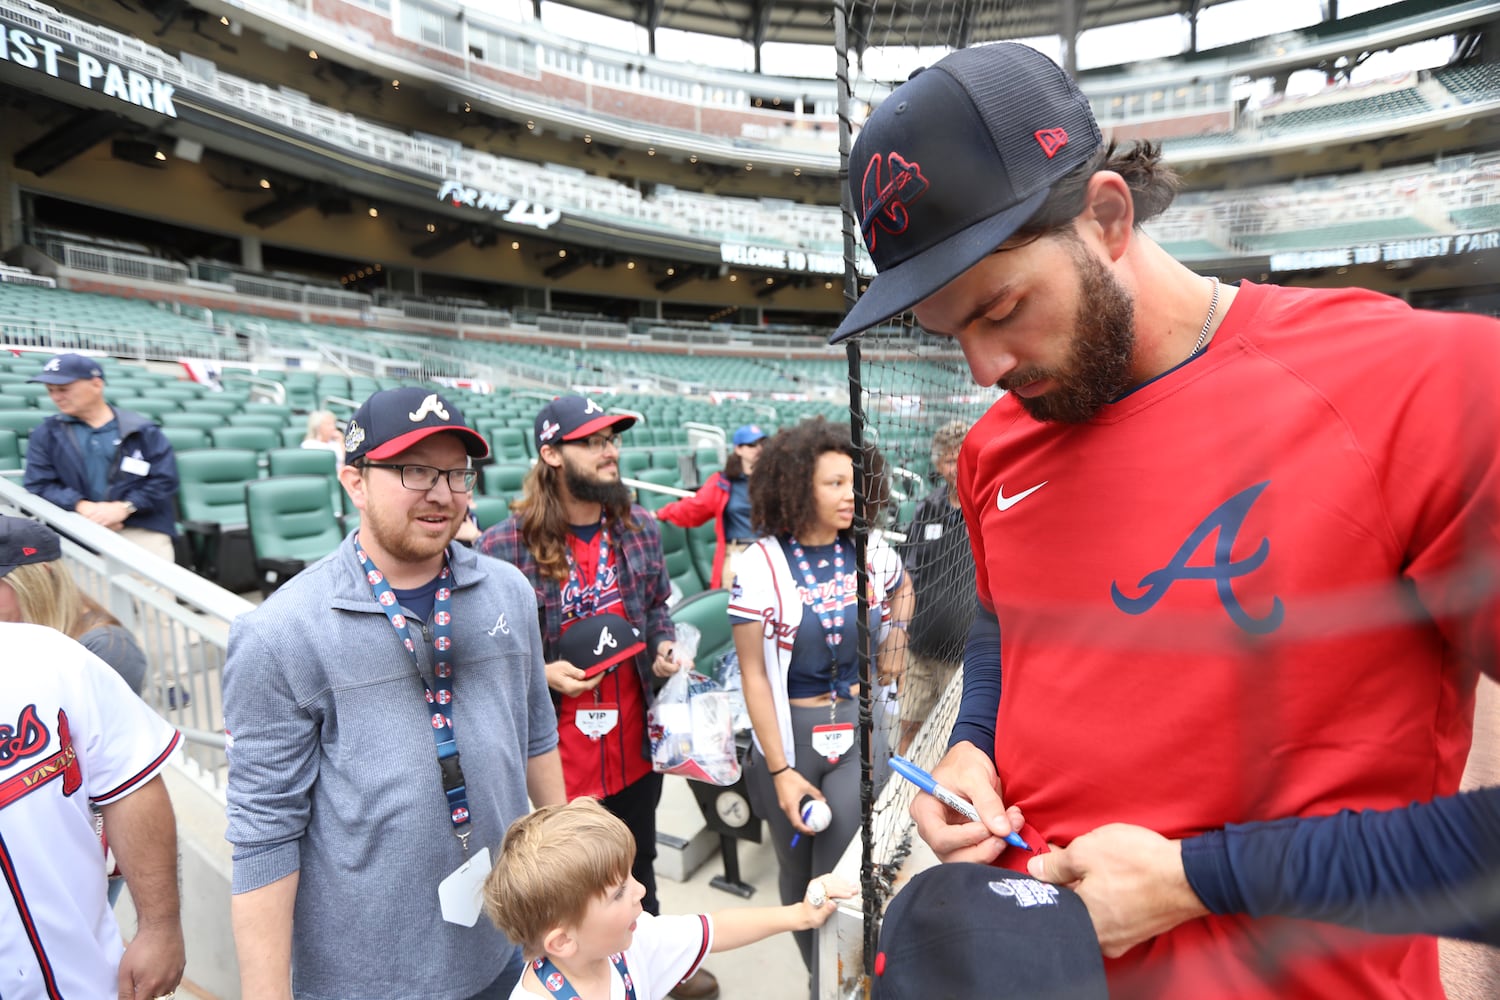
821,899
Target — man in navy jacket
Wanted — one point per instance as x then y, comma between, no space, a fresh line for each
114,467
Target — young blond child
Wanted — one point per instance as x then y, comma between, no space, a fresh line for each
562,890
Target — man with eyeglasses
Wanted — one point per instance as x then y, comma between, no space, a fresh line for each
588,551
388,716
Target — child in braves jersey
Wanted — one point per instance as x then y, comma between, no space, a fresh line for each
562,888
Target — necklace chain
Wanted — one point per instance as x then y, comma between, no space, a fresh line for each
1208,321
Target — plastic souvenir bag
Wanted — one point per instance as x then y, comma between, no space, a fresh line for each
692,730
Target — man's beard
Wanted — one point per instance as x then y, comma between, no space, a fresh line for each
613,495
1098,371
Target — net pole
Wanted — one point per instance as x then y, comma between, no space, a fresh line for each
869,897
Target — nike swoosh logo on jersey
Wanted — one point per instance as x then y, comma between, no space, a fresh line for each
1004,502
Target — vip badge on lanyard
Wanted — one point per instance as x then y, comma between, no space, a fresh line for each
557,984
439,701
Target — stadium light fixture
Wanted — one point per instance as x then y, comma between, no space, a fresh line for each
515,245
395,84
374,212
587,139
734,277
693,158
431,227
749,167
265,184
312,53
630,265
650,150
138,151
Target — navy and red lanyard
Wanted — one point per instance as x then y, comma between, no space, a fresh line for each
830,610
440,702
557,984
587,603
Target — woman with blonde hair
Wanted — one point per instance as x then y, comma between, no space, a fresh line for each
36,587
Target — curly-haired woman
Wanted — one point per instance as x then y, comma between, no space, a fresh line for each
795,630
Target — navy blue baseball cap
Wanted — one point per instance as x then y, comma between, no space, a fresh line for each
599,642
748,434
573,418
953,162
23,541
965,930
393,420
64,369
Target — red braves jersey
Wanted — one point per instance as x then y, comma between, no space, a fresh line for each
1257,586
603,766
72,736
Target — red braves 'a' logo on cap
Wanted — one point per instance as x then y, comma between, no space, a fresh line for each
1051,140
885,200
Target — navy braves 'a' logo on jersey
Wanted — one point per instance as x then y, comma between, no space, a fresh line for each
1226,519
885,200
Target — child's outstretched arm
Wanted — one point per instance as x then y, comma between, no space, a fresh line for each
739,927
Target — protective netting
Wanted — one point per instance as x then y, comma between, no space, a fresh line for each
911,398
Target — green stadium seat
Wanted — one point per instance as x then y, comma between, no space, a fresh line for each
223,407
185,438
292,523
490,511
679,560
10,451
211,508
199,421
22,422
708,612
504,479
260,439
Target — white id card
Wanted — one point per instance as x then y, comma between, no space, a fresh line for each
597,720
833,740
459,893
135,466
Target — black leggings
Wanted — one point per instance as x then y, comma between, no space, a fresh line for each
839,783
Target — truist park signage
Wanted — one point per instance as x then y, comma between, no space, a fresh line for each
517,211
32,50
782,259
1418,248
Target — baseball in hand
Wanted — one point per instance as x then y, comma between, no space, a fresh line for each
816,814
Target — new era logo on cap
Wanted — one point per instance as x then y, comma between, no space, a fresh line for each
1051,140
954,162
23,541
393,420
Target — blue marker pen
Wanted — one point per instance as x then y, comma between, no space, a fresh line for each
963,807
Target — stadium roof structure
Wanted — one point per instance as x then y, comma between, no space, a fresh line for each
951,23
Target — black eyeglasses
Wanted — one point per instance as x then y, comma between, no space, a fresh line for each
424,477
598,442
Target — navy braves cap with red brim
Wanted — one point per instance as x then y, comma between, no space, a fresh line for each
953,163
393,420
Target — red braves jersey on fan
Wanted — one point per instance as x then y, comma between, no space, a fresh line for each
72,736
1258,586
610,763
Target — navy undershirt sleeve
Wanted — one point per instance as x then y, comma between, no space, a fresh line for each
1431,868
981,696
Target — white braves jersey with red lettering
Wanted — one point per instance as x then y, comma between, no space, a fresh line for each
72,736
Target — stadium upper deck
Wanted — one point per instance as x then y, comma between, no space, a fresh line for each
272,152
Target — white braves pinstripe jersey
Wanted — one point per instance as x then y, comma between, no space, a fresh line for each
72,736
